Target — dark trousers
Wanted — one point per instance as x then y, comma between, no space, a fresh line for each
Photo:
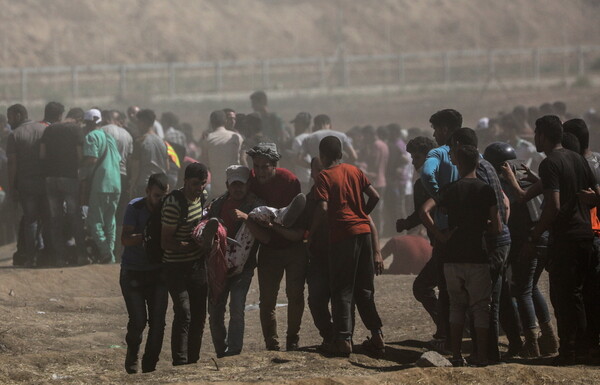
591,299
34,207
431,276
570,266
146,298
319,295
424,291
64,209
352,282
187,284
272,263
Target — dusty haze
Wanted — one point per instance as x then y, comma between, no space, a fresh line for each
68,32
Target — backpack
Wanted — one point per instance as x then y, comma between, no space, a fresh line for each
153,227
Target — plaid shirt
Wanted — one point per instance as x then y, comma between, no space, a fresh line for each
486,173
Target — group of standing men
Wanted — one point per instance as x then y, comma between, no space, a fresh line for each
469,205
484,221
73,178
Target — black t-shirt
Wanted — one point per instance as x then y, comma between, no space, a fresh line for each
467,202
61,141
568,172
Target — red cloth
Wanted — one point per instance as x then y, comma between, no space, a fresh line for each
277,192
216,262
227,214
342,187
410,252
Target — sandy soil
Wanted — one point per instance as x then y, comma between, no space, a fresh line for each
68,326
67,32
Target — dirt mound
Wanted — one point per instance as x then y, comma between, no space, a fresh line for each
63,32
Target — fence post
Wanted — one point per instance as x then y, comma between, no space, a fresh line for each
122,81
171,75
536,64
322,72
446,58
218,76
344,69
565,63
401,74
265,74
491,64
580,61
24,85
74,83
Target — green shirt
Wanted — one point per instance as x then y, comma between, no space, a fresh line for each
170,217
107,177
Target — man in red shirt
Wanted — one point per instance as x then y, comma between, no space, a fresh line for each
339,190
277,187
411,253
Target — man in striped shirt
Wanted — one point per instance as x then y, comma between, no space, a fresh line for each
184,265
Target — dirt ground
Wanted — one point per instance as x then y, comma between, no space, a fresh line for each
67,326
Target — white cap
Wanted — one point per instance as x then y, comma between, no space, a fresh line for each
93,115
483,123
237,173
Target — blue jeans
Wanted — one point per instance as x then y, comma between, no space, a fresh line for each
146,298
530,300
236,290
63,206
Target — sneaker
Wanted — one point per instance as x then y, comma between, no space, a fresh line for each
458,362
547,343
83,260
291,346
208,233
375,345
131,361
292,212
473,361
325,347
439,345
274,346
564,360
343,347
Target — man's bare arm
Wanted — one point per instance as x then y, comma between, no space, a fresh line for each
373,199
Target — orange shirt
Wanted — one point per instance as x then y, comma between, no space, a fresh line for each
342,187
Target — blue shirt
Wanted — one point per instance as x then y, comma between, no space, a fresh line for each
134,257
437,172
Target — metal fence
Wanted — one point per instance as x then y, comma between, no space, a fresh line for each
175,80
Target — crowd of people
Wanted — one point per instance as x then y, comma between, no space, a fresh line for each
197,218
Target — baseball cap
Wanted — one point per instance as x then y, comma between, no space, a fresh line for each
302,117
93,115
237,173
